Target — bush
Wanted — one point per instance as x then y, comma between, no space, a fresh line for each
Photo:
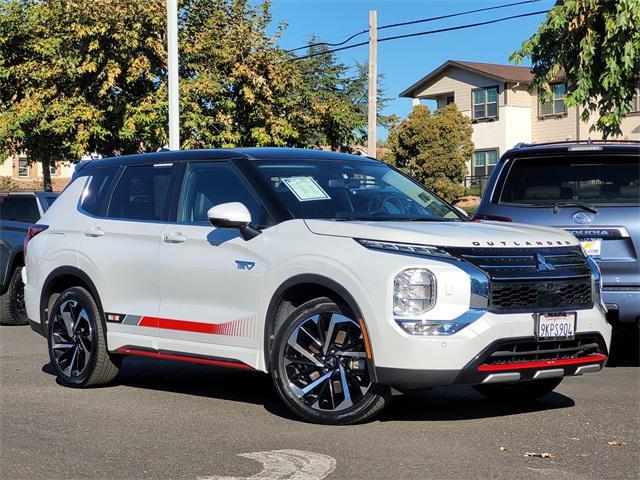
433,148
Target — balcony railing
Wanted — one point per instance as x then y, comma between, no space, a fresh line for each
475,184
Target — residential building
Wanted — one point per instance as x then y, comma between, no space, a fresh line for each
28,176
505,112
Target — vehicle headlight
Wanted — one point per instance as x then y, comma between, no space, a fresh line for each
414,292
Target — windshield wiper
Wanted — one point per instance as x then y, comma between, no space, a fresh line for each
556,206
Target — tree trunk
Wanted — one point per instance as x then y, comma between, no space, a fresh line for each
46,175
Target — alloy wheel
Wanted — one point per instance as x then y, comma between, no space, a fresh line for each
71,338
325,362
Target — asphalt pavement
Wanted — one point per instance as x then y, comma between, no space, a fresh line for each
167,420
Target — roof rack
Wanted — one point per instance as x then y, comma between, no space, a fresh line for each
570,142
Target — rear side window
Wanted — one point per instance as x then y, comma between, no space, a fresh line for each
142,193
19,208
95,196
209,184
591,179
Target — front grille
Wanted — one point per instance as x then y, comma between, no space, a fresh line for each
528,350
540,295
512,263
533,279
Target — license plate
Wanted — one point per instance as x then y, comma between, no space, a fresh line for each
555,326
592,247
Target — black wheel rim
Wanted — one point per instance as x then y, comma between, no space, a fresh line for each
71,338
325,363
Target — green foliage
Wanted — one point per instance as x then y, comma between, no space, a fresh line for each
81,76
433,147
333,101
235,83
595,44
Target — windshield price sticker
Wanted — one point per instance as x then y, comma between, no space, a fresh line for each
305,189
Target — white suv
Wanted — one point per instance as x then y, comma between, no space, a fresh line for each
337,274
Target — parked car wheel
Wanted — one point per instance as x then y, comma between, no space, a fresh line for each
319,366
12,308
520,391
77,341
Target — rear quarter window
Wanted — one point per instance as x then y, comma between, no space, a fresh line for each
95,196
591,179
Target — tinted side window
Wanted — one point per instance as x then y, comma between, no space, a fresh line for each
19,208
142,193
209,184
95,196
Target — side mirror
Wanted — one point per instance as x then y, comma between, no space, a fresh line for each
233,215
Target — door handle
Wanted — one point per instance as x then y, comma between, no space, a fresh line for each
94,232
176,237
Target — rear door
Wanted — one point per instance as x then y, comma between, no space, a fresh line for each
549,190
119,248
211,279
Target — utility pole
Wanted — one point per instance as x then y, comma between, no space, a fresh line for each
373,83
172,71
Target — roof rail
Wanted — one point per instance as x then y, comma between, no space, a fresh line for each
569,142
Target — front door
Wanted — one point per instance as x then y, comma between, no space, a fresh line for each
211,279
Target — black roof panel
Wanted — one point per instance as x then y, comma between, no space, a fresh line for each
248,153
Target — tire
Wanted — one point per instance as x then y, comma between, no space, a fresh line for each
333,348
77,341
12,308
519,392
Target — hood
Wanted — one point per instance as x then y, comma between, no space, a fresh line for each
447,234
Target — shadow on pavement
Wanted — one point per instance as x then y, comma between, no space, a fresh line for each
438,404
462,403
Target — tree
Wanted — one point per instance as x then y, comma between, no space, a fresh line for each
333,100
235,82
80,76
433,148
595,45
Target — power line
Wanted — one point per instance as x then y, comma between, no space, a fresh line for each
417,34
412,22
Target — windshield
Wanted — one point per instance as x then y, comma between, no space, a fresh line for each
587,180
351,190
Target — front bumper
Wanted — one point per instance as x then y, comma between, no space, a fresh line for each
468,357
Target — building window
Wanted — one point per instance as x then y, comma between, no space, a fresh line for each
485,103
23,167
450,100
483,162
53,169
554,105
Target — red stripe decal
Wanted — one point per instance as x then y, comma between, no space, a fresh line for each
184,358
542,363
186,326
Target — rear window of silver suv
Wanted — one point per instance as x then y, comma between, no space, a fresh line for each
539,181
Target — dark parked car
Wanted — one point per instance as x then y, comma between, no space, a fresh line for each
18,211
591,189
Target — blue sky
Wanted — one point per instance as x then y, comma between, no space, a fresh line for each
405,61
